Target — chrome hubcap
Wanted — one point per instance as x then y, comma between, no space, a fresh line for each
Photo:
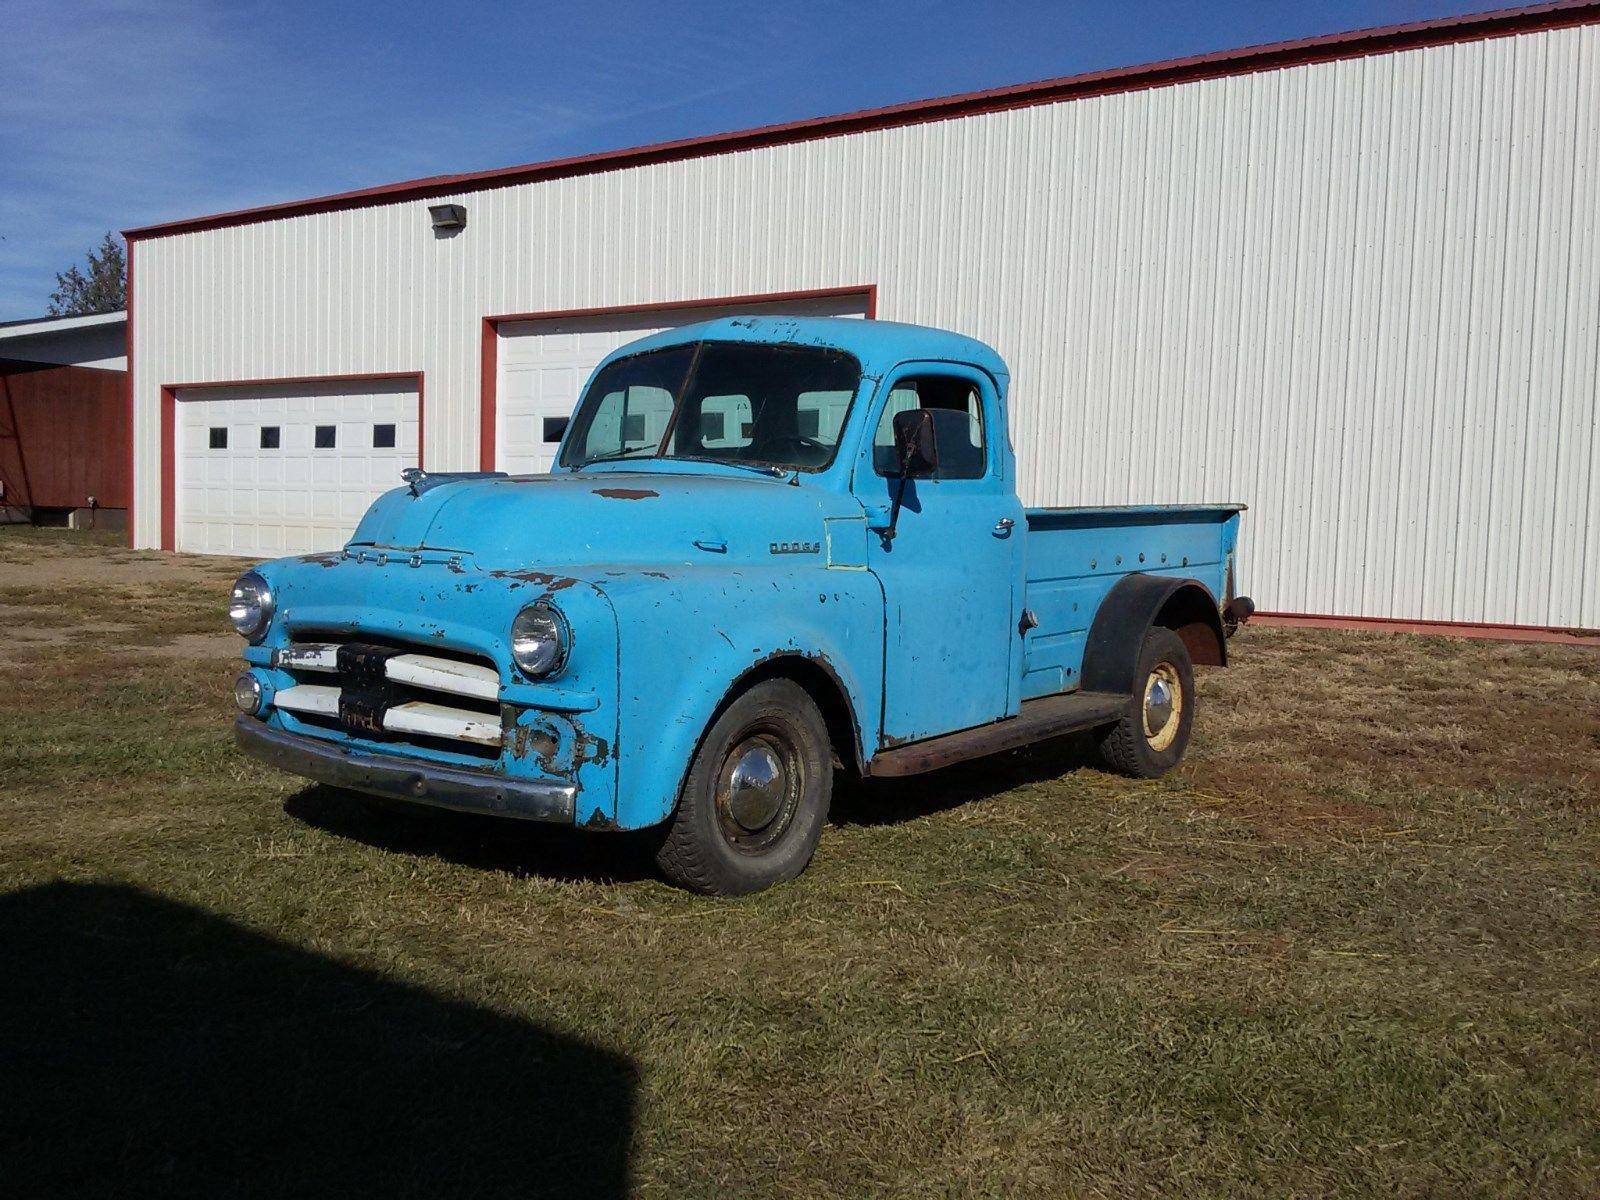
1158,704
1163,706
757,787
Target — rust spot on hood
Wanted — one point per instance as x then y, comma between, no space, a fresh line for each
550,583
626,493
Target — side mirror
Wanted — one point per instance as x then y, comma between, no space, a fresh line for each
916,447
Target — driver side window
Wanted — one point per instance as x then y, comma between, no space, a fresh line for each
957,409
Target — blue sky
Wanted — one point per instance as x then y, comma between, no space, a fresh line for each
116,113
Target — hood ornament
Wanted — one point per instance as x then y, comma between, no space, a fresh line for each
420,481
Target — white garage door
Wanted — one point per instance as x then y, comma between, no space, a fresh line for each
270,469
543,364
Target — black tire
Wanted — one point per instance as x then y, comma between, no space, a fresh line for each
739,827
1131,747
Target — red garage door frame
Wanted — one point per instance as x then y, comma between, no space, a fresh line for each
169,427
489,352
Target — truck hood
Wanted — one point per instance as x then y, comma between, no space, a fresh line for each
608,517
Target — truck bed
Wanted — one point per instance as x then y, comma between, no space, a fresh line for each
1074,556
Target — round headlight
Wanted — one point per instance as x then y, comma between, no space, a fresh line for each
250,605
247,693
540,640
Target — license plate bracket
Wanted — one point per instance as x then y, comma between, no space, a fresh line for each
365,692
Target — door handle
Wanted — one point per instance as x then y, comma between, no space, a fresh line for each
1003,527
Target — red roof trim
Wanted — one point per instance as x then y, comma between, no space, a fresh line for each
1357,44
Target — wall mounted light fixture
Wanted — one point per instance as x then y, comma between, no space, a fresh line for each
448,216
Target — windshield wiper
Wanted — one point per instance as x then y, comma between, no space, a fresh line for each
771,469
614,455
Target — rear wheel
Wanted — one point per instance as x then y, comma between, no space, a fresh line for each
756,796
1150,738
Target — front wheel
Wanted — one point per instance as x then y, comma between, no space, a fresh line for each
756,796
1150,738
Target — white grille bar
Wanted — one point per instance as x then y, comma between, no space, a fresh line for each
473,680
307,658
314,698
435,720
414,717
445,675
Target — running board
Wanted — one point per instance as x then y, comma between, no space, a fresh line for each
1046,717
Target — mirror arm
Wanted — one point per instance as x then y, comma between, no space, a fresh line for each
894,508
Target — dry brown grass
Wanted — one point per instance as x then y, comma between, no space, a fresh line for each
1351,947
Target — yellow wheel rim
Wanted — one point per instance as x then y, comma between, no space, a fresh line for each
1163,706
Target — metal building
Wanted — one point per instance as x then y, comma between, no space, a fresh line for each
1353,282
63,421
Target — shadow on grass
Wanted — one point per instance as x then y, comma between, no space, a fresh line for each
892,801
151,1048
486,843
557,852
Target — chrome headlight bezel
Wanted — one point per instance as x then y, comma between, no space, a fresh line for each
540,641
249,697
250,605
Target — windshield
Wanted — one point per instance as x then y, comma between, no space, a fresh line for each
734,402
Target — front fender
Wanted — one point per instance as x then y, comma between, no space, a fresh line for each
687,635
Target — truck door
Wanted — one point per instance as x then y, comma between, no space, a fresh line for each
949,574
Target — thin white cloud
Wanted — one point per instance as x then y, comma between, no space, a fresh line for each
94,121
115,113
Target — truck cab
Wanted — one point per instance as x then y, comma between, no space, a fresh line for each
770,549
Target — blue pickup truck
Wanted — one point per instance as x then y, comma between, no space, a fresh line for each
771,550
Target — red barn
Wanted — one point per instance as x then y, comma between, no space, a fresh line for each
64,452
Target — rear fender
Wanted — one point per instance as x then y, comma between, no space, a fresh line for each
1137,602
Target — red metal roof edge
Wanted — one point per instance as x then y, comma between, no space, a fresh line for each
1324,48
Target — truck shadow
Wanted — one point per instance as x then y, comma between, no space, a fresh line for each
891,801
485,843
152,1048
554,852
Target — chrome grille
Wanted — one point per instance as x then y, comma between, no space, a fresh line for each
422,684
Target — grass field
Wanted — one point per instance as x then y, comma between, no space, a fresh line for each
1352,947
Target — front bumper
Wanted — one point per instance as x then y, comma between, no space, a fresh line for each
407,779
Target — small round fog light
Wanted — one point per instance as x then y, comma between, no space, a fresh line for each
247,693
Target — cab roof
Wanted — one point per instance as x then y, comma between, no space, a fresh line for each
879,346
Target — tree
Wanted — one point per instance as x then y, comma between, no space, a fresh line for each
103,289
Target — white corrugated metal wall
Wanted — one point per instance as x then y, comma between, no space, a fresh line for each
1361,296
